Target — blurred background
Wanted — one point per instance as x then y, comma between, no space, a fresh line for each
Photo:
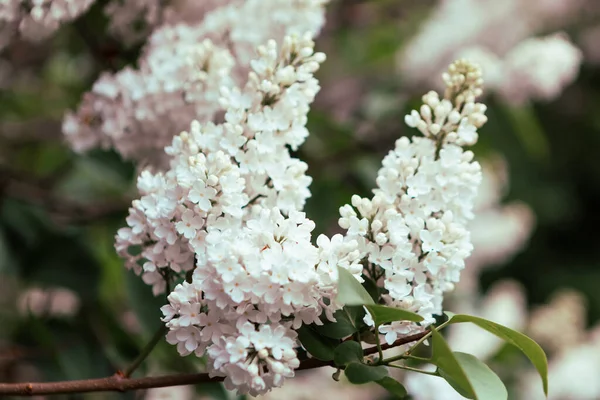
69,310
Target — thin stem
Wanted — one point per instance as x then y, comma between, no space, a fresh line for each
160,333
422,359
404,356
414,369
378,342
392,359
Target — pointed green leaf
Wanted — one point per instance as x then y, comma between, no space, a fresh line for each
350,290
347,352
484,381
449,367
383,315
394,387
318,346
528,346
359,373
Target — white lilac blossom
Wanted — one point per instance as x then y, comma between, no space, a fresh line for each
37,19
498,232
183,69
229,208
412,235
225,219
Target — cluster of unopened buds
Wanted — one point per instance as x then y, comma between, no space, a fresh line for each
225,220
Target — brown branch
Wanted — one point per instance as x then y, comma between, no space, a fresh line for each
120,383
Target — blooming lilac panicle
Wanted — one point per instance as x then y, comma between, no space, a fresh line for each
412,234
225,218
185,65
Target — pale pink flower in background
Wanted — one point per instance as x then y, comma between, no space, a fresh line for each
49,302
539,68
501,37
574,359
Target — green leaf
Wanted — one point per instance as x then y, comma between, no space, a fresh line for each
350,291
449,367
359,373
383,315
393,386
528,346
465,373
348,321
318,346
347,352
484,381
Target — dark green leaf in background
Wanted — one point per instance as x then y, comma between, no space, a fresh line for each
359,373
318,346
348,321
347,352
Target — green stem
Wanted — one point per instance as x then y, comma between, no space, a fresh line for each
391,359
160,333
378,342
414,370
422,359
